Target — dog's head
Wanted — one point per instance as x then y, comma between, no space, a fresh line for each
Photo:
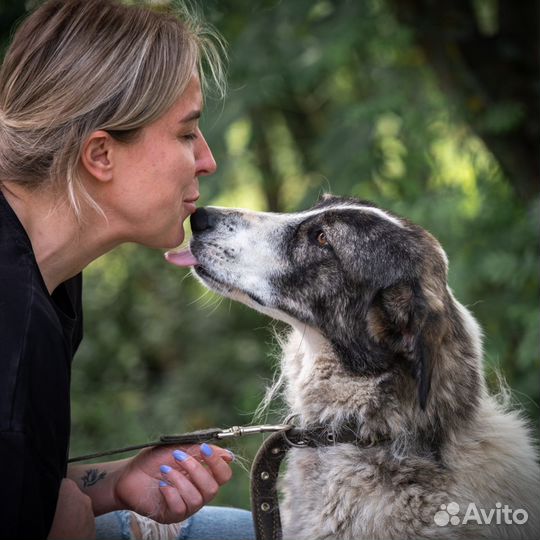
371,283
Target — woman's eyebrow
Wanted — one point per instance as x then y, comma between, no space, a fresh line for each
193,115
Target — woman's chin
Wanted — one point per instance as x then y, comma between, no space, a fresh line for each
170,240
177,238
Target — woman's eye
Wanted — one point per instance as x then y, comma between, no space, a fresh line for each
189,136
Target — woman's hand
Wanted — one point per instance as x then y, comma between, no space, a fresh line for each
74,517
169,484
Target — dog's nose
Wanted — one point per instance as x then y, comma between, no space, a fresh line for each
201,220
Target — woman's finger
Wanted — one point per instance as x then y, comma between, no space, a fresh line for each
214,458
191,496
176,507
223,453
201,477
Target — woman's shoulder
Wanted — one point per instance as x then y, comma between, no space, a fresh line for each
16,269
25,305
21,284
29,315
24,308
32,343
15,246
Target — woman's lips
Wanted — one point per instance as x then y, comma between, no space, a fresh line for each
190,206
190,203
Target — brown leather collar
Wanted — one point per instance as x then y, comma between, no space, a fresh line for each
265,470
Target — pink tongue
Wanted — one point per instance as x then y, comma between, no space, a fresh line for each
182,258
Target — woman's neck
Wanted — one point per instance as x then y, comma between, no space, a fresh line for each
62,246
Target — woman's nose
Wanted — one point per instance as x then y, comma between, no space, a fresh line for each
206,164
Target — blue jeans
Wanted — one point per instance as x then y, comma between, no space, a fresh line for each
209,523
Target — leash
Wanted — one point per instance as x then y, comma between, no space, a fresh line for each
265,468
212,435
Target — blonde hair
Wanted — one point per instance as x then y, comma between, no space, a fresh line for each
77,66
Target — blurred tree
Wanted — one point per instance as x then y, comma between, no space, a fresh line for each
486,56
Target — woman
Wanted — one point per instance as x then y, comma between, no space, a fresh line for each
99,145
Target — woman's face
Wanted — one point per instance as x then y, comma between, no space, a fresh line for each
157,175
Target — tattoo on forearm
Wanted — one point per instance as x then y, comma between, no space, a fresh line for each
92,476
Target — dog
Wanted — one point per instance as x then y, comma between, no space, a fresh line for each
378,344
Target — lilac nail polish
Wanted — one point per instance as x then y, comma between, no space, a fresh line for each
162,483
206,450
180,456
165,469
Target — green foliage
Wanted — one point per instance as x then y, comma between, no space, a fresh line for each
324,96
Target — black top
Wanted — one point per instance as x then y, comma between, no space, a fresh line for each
39,334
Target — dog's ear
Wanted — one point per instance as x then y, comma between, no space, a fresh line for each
324,200
401,320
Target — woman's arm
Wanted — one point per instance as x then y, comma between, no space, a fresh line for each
98,481
167,484
73,519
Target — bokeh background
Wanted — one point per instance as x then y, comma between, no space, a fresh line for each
429,108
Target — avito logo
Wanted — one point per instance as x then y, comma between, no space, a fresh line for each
448,514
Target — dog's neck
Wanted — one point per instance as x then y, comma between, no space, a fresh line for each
320,390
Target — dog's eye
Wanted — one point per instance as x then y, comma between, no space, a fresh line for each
321,239
318,238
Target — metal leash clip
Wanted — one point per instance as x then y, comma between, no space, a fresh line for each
239,431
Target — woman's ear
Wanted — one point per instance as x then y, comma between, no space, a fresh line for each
97,156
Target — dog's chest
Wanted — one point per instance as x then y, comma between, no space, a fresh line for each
349,492
325,487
